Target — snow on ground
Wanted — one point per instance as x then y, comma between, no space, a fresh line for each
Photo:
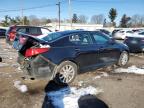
132,69
21,87
103,74
68,97
3,64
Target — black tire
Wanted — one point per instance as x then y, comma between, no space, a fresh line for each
124,56
59,69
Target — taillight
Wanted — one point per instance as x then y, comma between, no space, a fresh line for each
12,36
35,51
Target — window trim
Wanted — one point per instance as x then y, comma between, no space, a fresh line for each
80,33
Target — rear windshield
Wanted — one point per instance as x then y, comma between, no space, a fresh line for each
52,37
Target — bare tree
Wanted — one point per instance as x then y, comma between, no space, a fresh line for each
97,19
54,20
34,20
137,20
82,19
43,21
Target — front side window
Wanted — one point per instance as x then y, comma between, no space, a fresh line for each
99,38
81,38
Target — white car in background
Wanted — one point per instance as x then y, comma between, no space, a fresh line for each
122,34
139,33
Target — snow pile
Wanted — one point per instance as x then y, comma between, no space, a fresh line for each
80,83
104,74
68,97
20,87
132,69
3,64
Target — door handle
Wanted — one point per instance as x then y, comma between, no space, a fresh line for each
77,49
101,48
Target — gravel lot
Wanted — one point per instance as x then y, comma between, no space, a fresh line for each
121,90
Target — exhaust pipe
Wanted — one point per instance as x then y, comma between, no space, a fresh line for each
0,59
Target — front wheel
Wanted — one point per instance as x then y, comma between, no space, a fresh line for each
65,72
123,60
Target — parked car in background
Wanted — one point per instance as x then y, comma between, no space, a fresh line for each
138,30
114,31
135,43
62,55
2,33
32,30
140,33
105,32
122,34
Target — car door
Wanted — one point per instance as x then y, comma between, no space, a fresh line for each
108,51
84,50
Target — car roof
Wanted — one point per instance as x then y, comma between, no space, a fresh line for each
27,26
67,32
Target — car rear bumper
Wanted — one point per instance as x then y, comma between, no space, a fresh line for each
135,48
38,67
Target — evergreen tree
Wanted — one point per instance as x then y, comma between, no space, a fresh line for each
112,15
75,18
124,21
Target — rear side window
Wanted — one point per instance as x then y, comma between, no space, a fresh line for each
99,38
52,37
81,39
22,30
35,31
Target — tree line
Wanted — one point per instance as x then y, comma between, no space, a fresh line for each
126,21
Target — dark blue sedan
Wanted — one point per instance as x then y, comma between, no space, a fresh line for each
135,43
62,55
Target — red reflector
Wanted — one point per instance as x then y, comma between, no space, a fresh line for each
12,36
35,51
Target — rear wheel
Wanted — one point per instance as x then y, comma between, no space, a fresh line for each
123,60
65,72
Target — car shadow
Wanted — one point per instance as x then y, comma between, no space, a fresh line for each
51,89
54,95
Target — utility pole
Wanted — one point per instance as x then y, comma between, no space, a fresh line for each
22,12
59,14
70,13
